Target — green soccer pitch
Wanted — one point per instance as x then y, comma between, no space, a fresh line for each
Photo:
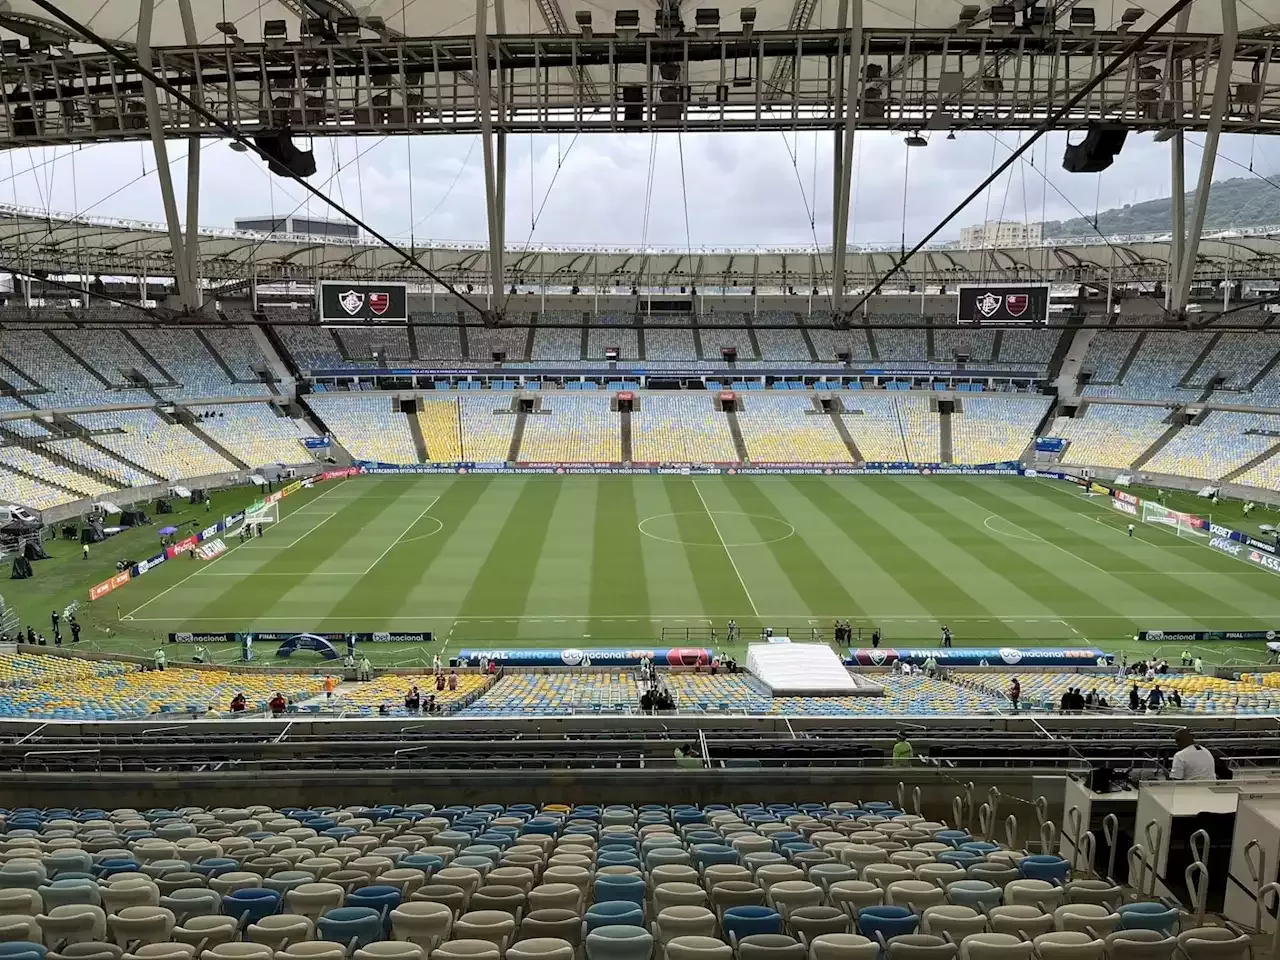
488,561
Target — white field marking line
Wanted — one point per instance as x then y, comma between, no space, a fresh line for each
1031,533
897,618
1070,627
286,546
716,527
397,540
230,550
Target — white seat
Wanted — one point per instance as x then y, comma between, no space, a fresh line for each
281,929
916,894
495,926
1036,893
206,931
953,921
238,951
423,922
141,925
1214,943
1020,920
467,950
314,899
698,948
390,950
843,946
994,946
1090,918
684,921
1069,946
73,923
541,948
1140,945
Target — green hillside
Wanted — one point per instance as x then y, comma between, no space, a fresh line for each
1239,202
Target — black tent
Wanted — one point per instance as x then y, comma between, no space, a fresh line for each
34,550
133,518
21,569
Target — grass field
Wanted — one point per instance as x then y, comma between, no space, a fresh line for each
577,561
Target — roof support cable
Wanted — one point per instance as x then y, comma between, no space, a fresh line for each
1050,123
132,63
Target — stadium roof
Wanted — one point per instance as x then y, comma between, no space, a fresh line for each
30,239
118,19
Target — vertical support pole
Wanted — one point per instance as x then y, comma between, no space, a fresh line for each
1111,275
193,173
1218,111
155,127
485,108
1226,287
1177,160
844,160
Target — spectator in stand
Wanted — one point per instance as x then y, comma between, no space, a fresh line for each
238,703
1091,698
439,682
1155,699
493,667
1135,698
435,664
1199,666
1015,692
453,680
277,704
412,700
688,758
903,752
1175,699
159,658
329,686
1186,658
431,703
875,638
1192,761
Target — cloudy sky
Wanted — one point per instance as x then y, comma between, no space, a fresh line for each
740,189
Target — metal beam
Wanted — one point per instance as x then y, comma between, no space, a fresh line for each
1178,161
156,129
844,186
1218,111
485,109
193,177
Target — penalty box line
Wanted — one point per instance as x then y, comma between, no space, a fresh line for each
230,550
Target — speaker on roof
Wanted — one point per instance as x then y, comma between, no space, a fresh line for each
283,158
1096,151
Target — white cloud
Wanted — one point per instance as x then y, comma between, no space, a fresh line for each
740,189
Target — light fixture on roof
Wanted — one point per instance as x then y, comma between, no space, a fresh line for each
275,32
378,26
968,15
583,18
230,31
347,29
951,135
238,147
706,22
1130,16
747,15
915,140
1002,18
1083,21
626,24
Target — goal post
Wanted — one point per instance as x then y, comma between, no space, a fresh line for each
1182,524
257,518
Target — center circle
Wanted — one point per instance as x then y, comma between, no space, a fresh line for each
429,533
715,528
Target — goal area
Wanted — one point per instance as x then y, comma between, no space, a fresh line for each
1182,524
256,521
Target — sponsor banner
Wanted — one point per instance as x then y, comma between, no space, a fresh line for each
212,531
182,546
291,488
1262,545
1124,507
140,568
602,656
977,656
98,591
1050,444
1227,545
1096,487
234,520
1198,636
256,506
1003,303
272,498
210,549
1126,497
1265,560
341,300
316,443
280,636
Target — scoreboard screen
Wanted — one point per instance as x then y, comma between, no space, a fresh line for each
1003,303
340,300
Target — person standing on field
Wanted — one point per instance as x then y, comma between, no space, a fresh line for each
1131,530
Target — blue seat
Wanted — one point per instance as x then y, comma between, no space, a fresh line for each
1148,916
706,854
428,863
747,921
114,865
1045,866
961,858
625,888
953,837
888,922
978,894
215,866
381,897
614,913
617,857
22,950
361,925
251,904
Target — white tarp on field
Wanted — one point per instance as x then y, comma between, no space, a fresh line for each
799,669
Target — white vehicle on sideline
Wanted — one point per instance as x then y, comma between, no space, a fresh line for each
10,514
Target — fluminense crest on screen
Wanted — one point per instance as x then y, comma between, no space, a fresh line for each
989,303
352,301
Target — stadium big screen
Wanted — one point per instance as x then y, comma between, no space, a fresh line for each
380,302
1003,303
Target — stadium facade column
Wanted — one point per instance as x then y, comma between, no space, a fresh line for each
494,148
850,14
1213,131
193,172
155,128
1177,160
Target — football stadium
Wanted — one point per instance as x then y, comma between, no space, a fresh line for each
900,581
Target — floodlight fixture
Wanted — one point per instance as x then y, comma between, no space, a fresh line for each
706,22
583,19
915,140
275,32
968,16
1002,18
626,24
1130,16
1083,21
747,16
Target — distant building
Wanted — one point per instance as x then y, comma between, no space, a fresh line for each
1000,233
301,226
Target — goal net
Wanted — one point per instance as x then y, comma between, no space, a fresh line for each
256,520
1182,524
